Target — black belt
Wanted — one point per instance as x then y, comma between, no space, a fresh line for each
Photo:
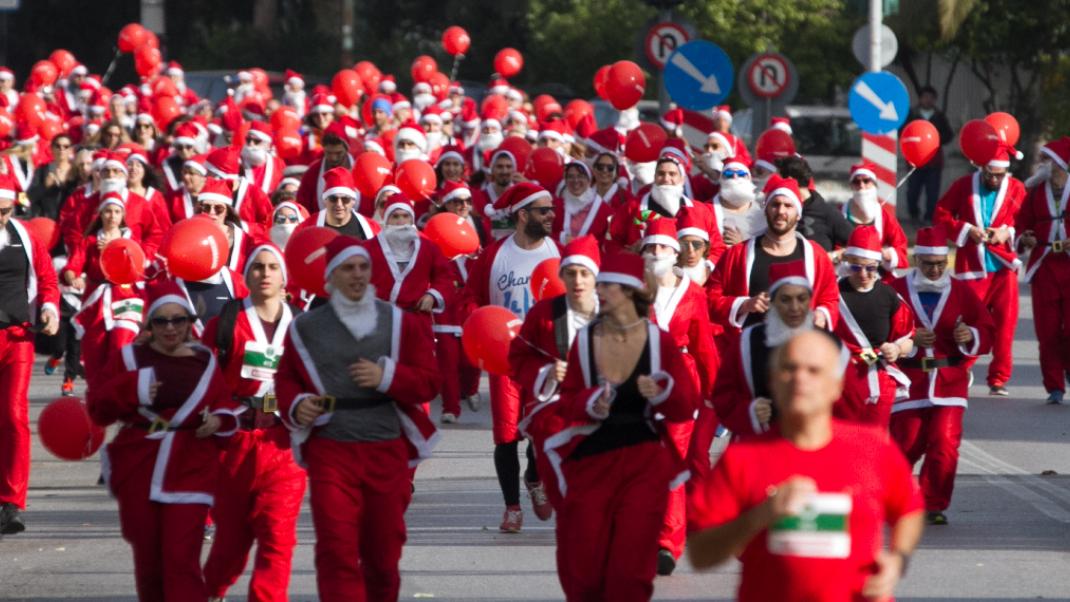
928,364
267,403
1058,246
260,412
333,404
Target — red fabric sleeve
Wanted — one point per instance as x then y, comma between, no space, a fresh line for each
713,500
826,293
685,396
732,395
949,207
47,284
524,358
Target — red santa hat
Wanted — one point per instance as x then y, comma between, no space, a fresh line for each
173,68
518,196
864,169
338,181
554,130
727,142
582,251
294,78
99,157
501,152
270,248
931,241
453,190
399,201
25,134
338,130
135,152
724,112
185,134
661,231
673,121
789,272
196,163
217,191
786,187
623,268
582,166
781,123
414,134
321,104
340,249
224,162
450,152
165,291
145,118
608,140
388,85
111,198
1002,158
401,103
499,86
433,114
736,165
302,213
6,74
675,150
260,130
115,160
421,88
1058,151
864,243
8,185
688,225
79,69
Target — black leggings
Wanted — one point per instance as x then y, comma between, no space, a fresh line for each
507,465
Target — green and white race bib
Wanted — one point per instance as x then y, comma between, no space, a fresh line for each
260,361
821,530
128,309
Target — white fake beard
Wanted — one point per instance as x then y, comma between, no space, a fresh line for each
924,285
577,203
112,185
736,192
713,161
488,141
865,205
359,317
659,266
280,234
253,156
644,172
1042,174
402,156
668,196
435,140
422,101
777,332
401,240
697,273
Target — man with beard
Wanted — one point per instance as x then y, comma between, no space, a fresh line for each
821,221
262,167
579,210
665,199
737,291
409,143
339,212
504,172
978,212
335,154
951,325
741,396
502,276
866,210
738,213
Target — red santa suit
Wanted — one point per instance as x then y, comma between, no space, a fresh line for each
85,259
182,205
310,192
358,466
110,318
615,488
928,421
628,223
208,296
21,171
575,221
961,209
249,202
266,176
186,134
260,494
24,266
1047,271
162,475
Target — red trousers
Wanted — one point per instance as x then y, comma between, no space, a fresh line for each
854,407
504,409
448,351
607,525
166,539
1051,319
359,492
16,365
999,292
673,532
258,500
698,453
469,376
936,433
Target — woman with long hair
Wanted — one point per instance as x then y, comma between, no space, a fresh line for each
83,265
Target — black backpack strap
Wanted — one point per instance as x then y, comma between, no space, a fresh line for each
224,334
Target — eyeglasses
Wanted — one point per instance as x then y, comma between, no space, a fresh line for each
177,321
342,200
693,244
466,200
728,174
858,268
605,167
287,219
182,147
213,208
543,211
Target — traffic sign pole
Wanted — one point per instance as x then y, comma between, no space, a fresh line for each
881,149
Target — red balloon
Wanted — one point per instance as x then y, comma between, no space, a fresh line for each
371,171
44,73
455,40
7,122
195,248
165,109
546,167
453,234
600,78
1006,127
285,118
131,37
122,261
919,142
416,178
979,141
31,109
147,61
440,85
43,229
369,75
775,144
63,60
508,62
644,143
576,110
519,148
51,127
260,78
546,283
540,103
164,86
67,431
306,258
494,105
423,68
288,144
486,335
151,40
347,87
625,85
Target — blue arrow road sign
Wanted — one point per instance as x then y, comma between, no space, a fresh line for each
698,75
879,102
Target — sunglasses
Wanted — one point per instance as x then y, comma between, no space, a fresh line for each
858,269
605,167
467,200
183,147
213,208
734,173
543,211
177,321
283,219
693,244
342,200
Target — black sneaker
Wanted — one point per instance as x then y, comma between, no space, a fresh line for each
666,563
935,518
11,520
998,391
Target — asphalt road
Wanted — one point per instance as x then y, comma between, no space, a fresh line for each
1009,537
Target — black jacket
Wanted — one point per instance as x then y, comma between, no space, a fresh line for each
824,223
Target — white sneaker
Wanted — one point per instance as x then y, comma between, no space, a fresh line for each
473,402
448,418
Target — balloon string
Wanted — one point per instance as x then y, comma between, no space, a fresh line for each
906,177
111,66
457,58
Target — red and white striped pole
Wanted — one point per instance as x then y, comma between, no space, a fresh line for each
880,149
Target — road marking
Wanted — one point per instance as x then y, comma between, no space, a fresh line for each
996,472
